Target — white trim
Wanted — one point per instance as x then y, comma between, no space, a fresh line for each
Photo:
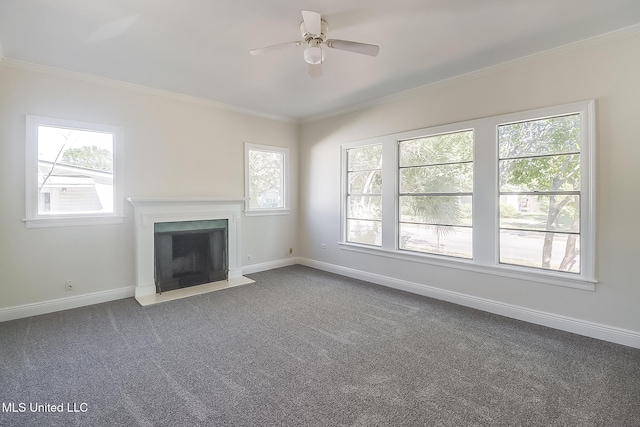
563,323
589,161
149,211
44,69
64,222
256,268
267,212
50,306
539,276
168,201
76,301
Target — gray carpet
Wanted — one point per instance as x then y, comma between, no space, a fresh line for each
301,347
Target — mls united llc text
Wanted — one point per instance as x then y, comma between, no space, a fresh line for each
21,407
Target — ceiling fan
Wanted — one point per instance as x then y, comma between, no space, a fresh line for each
314,34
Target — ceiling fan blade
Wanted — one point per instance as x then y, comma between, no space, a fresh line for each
315,70
312,22
363,48
274,47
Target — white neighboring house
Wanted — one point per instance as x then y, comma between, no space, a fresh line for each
270,198
521,203
73,189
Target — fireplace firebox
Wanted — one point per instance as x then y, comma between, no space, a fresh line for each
189,253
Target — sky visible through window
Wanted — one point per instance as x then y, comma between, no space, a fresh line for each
52,139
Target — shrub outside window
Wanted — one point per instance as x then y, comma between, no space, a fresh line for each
435,195
364,195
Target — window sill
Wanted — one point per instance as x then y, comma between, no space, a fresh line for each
266,212
72,221
546,277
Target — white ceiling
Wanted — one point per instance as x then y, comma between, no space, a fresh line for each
201,47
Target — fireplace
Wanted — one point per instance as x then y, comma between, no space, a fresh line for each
210,226
189,253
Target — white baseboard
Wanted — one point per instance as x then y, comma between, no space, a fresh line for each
43,307
34,309
576,326
256,268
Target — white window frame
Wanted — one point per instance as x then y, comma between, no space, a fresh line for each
486,199
249,211
345,194
399,194
33,218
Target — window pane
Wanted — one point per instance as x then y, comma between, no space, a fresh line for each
554,135
364,213
545,157
364,207
75,171
528,248
368,182
266,175
448,148
364,158
366,232
552,213
453,178
452,241
554,173
441,210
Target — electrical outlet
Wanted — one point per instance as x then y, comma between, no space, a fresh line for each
68,286
248,257
323,246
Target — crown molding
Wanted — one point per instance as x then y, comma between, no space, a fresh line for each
73,75
601,39
598,40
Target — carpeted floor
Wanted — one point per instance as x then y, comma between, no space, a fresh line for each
301,347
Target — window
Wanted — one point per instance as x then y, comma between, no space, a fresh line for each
509,195
364,195
266,174
73,173
539,173
435,195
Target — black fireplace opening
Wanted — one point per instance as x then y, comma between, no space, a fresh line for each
189,253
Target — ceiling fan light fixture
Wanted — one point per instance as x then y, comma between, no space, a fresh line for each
314,55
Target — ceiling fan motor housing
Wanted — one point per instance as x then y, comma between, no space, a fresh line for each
308,37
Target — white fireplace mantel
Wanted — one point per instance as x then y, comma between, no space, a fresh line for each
149,211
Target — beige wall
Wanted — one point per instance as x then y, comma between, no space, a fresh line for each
175,148
607,70
172,148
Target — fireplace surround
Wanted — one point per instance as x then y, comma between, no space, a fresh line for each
152,211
